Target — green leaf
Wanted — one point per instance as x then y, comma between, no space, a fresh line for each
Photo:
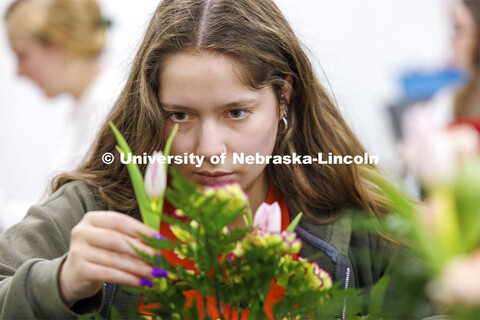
134,290
159,244
145,257
377,296
399,202
249,218
134,313
166,153
246,220
115,314
467,196
294,223
171,220
168,145
136,177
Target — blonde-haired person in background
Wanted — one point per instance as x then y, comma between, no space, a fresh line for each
58,45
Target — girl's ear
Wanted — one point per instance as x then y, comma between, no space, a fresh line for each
286,90
284,95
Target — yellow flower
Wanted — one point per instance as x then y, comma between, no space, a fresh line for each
181,234
233,193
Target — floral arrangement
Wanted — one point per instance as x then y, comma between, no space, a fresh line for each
204,269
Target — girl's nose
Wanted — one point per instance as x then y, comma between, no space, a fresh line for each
210,140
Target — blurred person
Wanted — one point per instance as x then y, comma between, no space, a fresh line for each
443,157
58,45
465,16
450,95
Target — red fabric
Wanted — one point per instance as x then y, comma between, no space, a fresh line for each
471,121
274,295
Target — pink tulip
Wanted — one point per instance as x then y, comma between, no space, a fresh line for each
460,282
268,217
426,146
433,151
155,178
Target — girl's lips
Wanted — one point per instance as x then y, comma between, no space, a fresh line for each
214,178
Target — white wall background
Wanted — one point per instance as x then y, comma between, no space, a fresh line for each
359,48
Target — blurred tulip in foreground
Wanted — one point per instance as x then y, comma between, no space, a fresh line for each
460,283
433,151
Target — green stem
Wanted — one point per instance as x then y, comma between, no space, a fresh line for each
166,153
448,231
219,303
168,145
207,316
239,312
249,218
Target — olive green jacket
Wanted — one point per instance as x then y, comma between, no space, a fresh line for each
32,252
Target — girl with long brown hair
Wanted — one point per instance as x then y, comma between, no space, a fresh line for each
235,78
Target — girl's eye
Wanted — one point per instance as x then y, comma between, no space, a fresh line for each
179,116
238,114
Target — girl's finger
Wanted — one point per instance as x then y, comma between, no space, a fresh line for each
119,261
108,239
119,222
98,272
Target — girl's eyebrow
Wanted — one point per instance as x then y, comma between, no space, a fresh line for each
239,103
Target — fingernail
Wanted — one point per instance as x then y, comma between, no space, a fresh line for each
159,236
159,273
146,283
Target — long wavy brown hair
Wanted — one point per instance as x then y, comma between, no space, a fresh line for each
256,34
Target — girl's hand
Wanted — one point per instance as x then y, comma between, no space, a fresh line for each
100,252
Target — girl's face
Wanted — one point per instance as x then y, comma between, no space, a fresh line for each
464,40
40,63
218,114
